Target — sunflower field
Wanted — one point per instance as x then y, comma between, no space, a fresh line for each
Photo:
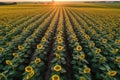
59,42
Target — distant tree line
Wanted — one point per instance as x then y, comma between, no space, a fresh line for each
102,2
8,3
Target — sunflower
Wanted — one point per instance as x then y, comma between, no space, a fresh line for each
57,55
30,75
60,32
1,49
83,78
57,68
46,34
59,37
98,51
43,39
102,58
55,77
92,44
15,54
59,48
82,56
7,43
112,73
1,37
117,41
79,48
37,60
87,70
115,50
60,41
93,32
82,30
110,36
73,36
8,62
117,59
87,37
104,40
20,47
39,46
28,69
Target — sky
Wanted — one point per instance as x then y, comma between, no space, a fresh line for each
50,0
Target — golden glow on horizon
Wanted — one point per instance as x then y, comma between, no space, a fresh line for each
51,0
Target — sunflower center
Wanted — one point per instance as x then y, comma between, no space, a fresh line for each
59,47
112,73
29,69
39,46
55,78
57,67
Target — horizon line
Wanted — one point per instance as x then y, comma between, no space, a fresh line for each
66,1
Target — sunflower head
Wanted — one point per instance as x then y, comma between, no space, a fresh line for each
112,73
115,50
20,47
117,41
102,58
1,37
8,62
104,40
92,44
55,77
60,41
57,55
117,59
82,56
59,37
57,68
39,46
15,54
93,32
1,49
110,36
43,39
60,32
83,78
87,37
98,51
7,43
37,60
79,48
59,48
28,69
87,70
30,75
73,36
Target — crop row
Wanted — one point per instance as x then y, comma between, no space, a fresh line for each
60,43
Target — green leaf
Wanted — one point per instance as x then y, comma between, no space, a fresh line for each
102,68
63,70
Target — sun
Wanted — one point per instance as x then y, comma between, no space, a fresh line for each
52,1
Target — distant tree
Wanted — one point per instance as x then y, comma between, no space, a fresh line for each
3,3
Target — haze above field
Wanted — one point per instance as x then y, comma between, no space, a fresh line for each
50,0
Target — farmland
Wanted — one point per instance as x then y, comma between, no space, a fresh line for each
60,41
